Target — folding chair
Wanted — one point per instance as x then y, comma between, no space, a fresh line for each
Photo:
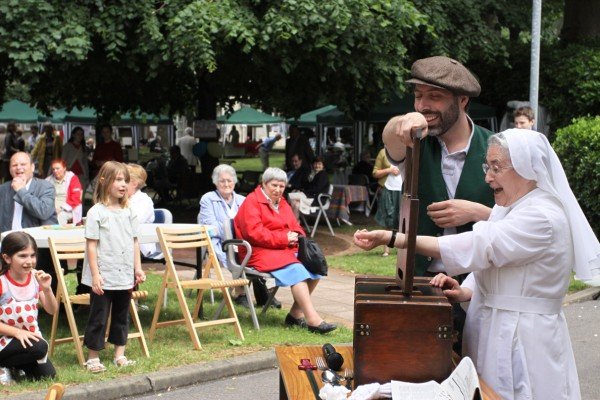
185,238
242,269
324,201
74,249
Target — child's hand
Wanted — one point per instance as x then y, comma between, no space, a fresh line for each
43,279
97,284
25,337
140,276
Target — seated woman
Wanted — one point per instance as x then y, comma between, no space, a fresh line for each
68,193
520,261
267,222
218,207
142,204
315,183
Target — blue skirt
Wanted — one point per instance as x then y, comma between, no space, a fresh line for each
292,274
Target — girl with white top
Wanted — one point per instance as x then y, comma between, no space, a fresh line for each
112,264
21,289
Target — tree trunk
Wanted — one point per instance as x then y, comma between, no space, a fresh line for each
581,21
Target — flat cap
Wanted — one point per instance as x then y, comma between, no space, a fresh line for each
445,73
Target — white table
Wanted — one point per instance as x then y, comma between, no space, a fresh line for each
147,232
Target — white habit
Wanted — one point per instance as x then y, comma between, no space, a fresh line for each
515,331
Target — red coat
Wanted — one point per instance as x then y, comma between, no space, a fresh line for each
266,230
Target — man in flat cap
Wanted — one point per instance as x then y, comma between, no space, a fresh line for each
452,191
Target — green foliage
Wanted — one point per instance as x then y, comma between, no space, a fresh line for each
164,56
578,147
571,87
171,56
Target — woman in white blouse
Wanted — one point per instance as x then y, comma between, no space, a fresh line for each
141,203
521,260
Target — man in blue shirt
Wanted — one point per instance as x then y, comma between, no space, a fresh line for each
264,147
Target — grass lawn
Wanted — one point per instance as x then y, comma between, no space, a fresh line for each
172,345
253,163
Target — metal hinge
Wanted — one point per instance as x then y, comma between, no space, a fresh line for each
363,329
444,332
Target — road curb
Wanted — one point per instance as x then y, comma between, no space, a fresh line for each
164,380
582,295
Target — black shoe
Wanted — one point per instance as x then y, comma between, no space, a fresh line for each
291,321
324,327
242,300
275,303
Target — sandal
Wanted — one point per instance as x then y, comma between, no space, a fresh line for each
94,366
123,361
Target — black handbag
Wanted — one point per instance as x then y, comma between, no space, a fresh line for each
311,256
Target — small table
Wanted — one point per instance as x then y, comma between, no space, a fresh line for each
146,234
342,196
294,384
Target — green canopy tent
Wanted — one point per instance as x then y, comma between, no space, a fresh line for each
310,118
249,116
244,116
19,112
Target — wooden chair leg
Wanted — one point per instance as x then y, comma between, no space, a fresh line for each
189,322
232,313
159,303
138,326
54,328
75,333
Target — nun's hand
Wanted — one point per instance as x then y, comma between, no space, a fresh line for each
451,288
369,240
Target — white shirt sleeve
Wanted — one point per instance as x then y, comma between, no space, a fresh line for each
518,239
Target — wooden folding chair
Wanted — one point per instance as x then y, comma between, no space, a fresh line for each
74,249
184,238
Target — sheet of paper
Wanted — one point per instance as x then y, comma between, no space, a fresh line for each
415,391
463,381
460,385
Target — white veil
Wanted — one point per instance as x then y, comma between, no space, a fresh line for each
534,158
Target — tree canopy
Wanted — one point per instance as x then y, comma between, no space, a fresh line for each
160,56
292,55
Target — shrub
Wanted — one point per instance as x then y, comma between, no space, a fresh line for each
570,81
578,147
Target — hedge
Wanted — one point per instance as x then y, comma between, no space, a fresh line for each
578,147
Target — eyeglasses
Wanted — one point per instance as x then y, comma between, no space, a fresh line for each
225,181
493,169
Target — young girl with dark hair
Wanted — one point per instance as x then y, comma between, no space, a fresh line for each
21,289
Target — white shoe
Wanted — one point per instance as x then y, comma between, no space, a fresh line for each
5,377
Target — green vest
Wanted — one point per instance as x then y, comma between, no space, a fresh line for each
432,188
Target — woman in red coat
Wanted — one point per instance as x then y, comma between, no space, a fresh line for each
267,222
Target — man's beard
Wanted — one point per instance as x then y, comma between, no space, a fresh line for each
445,120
